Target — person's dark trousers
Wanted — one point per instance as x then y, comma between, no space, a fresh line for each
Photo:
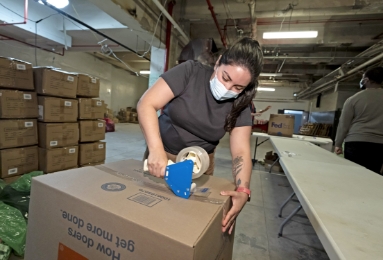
369,155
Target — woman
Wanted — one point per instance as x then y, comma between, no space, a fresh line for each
200,105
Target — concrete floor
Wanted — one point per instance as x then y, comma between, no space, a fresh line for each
257,225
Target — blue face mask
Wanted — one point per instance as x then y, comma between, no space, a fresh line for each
219,90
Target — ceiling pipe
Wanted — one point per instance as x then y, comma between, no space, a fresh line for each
176,26
168,34
309,58
25,15
344,76
90,28
211,8
31,45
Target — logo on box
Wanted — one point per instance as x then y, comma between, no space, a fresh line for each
281,125
113,186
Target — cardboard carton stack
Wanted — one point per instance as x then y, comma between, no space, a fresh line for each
92,127
18,119
58,113
128,115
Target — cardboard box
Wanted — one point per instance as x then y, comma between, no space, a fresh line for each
58,159
92,130
90,108
17,133
9,180
88,86
281,125
53,135
16,74
18,161
276,167
92,153
114,212
18,104
53,82
57,109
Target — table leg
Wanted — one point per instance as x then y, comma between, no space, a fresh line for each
255,151
277,160
285,203
280,233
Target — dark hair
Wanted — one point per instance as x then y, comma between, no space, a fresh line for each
246,53
375,75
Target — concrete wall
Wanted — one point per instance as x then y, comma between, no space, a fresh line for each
281,98
328,103
125,89
343,96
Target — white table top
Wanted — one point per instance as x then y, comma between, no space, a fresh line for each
311,139
344,205
303,150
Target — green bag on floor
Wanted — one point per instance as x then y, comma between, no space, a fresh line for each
13,228
17,194
14,207
5,252
2,185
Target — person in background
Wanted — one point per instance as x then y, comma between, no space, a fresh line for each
361,123
201,104
254,112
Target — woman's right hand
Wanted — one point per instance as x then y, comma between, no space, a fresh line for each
157,162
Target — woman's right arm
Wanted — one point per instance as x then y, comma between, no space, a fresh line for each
153,100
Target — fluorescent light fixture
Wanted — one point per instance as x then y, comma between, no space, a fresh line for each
144,72
270,74
290,35
265,89
56,3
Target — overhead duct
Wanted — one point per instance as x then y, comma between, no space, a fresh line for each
202,50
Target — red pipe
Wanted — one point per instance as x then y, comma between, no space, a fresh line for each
211,8
168,34
34,46
25,15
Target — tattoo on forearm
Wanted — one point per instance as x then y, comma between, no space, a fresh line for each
237,166
239,182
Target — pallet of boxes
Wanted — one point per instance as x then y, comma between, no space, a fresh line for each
18,120
91,123
60,132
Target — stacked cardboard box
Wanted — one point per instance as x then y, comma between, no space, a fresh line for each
58,112
18,119
128,115
92,127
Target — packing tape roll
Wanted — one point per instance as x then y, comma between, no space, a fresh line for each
200,158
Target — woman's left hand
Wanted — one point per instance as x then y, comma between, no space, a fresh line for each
239,200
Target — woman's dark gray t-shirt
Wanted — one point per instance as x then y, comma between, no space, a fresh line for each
194,117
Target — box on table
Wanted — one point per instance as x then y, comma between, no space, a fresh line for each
17,161
57,109
88,86
92,153
113,211
92,130
281,125
16,74
53,135
90,108
53,82
58,159
18,104
17,133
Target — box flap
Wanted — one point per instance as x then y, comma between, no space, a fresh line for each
148,204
